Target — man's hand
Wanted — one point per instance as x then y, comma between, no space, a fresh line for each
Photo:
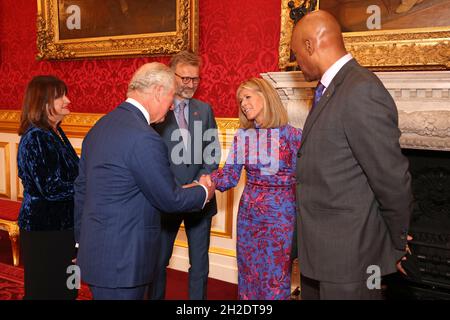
190,185
399,264
206,181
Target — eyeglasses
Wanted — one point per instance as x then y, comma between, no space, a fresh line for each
186,80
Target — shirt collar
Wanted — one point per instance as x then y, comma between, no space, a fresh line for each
177,104
334,69
140,107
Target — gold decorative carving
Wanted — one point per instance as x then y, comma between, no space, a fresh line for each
404,49
224,124
51,47
9,121
13,232
76,125
10,116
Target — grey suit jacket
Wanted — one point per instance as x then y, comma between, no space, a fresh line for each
354,189
201,118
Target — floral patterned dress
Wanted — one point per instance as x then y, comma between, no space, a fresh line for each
266,217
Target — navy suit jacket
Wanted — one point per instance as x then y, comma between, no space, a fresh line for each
124,182
201,118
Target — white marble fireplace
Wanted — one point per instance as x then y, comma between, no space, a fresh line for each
422,99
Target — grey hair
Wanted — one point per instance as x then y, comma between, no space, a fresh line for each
151,74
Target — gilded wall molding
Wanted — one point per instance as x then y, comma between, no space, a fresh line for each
224,124
76,125
9,121
401,50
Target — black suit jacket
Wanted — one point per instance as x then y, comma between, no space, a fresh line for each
354,189
201,119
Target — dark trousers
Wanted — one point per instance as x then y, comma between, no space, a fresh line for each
319,290
46,257
198,229
135,293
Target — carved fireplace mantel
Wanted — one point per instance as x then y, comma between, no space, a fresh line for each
422,99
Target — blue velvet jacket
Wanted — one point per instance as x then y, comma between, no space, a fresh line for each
48,167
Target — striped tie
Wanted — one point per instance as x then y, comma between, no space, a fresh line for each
180,116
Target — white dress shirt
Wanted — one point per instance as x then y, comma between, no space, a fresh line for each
140,107
334,69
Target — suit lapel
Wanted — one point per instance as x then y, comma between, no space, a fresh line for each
312,117
171,121
327,95
193,116
192,111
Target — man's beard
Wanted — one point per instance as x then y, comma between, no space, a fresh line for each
186,93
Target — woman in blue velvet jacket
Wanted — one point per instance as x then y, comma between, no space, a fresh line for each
48,166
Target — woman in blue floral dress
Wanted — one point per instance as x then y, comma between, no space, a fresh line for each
266,146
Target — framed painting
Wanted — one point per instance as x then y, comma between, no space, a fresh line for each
72,29
383,34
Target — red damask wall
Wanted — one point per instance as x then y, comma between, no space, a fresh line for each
238,39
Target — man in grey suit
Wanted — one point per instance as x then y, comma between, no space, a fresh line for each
354,190
190,133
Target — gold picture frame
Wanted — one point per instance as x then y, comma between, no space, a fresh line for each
54,42
400,49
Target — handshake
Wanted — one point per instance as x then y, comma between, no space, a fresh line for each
205,180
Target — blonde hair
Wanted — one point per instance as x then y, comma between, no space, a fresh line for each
151,74
274,113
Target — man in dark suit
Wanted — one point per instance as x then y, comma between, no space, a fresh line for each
190,133
354,189
124,183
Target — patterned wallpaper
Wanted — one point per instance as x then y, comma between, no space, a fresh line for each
238,39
